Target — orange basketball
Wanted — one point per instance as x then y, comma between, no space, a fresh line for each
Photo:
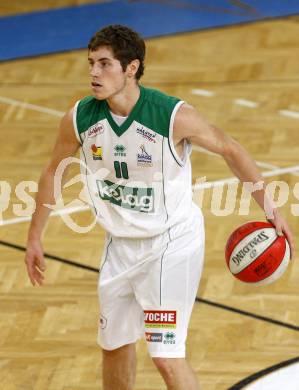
256,254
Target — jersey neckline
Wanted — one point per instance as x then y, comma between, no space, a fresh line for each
119,130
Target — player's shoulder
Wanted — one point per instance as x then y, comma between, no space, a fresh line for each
157,110
87,112
186,121
89,107
187,109
88,101
187,113
159,98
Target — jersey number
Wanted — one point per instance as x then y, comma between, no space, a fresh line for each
121,170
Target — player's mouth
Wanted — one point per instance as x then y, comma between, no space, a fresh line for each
95,85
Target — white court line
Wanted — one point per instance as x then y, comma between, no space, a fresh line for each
239,102
67,210
290,114
281,171
209,184
29,106
275,171
218,183
246,103
202,92
266,165
259,163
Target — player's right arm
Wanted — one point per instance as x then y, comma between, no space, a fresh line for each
66,146
190,125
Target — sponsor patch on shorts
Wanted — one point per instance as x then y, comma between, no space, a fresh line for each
169,338
160,318
154,337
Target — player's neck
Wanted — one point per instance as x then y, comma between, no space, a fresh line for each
123,102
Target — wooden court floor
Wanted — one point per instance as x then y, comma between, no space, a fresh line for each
245,80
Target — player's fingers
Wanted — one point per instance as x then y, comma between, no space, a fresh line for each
38,276
30,271
33,262
278,229
40,262
276,226
39,268
290,240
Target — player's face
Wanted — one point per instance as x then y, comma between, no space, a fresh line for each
107,75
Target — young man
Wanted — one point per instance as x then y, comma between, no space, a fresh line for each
136,142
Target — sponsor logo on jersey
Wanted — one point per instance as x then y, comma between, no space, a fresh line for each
154,337
160,319
150,136
119,150
96,152
169,338
144,159
95,130
132,198
103,322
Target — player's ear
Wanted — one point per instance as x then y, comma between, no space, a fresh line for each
133,67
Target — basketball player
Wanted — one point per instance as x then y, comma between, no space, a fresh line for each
136,142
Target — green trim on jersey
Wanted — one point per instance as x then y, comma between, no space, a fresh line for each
153,110
119,130
156,111
90,111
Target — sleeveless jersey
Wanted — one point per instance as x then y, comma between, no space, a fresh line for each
137,184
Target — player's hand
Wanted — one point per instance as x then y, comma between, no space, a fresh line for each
35,261
282,228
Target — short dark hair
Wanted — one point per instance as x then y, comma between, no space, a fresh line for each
127,45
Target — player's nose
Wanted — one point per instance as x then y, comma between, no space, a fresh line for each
94,71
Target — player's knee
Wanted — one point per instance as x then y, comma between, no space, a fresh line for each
166,367
124,350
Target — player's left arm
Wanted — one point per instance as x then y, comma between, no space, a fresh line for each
190,125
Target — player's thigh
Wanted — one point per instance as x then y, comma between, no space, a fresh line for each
121,316
167,291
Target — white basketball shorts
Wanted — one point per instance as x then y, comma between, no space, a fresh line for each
147,288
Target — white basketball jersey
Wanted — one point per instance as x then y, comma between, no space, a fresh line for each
136,182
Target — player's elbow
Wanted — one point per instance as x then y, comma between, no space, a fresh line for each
50,168
55,168
231,149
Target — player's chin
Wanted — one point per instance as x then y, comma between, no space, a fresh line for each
99,94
